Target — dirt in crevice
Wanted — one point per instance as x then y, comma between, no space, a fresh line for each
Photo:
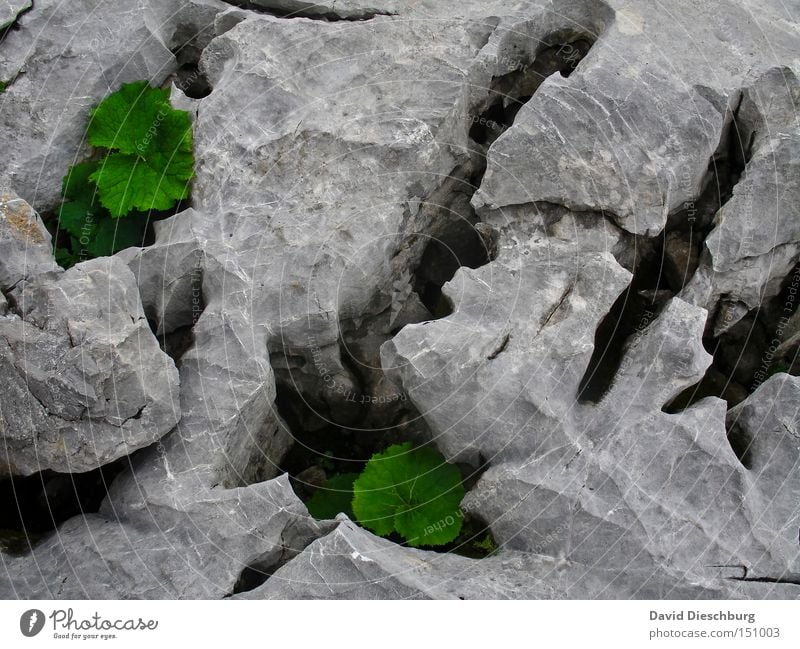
251,577
176,343
329,446
189,78
256,573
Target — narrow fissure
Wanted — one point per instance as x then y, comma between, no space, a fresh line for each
252,577
671,265
793,579
33,506
338,405
633,311
339,417
305,10
765,342
176,343
458,239
688,227
560,53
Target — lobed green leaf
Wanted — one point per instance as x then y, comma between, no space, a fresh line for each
413,492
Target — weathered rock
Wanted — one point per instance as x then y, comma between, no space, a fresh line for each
84,381
170,273
321,179
765,430
10,9
352,563
756,242
25,244
569,478
63,59
192,542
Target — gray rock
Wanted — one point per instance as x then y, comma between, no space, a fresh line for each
329,153
170,273
84,381
755,243
192,542
635,181
11,9
25,244
351,563
617,483
62,60
765,430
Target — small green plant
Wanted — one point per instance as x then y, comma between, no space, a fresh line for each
143,161
335,496
486,545
412,492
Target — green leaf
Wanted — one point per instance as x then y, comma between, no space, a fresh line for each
123,120
65,258
76,184
153,162
127,182
77,218
334,497
413,492
113,235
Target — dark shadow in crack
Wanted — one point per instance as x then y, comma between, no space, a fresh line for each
32,506
457,239
746,355
297,9
561,52
634,310
688,227
189,78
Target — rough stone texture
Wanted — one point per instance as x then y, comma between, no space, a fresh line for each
25,243
188,543
756,240
618,475
356,564
10,9
329,153
621,134
767,427
83,379
62,60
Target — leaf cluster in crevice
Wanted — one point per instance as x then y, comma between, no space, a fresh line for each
143,164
